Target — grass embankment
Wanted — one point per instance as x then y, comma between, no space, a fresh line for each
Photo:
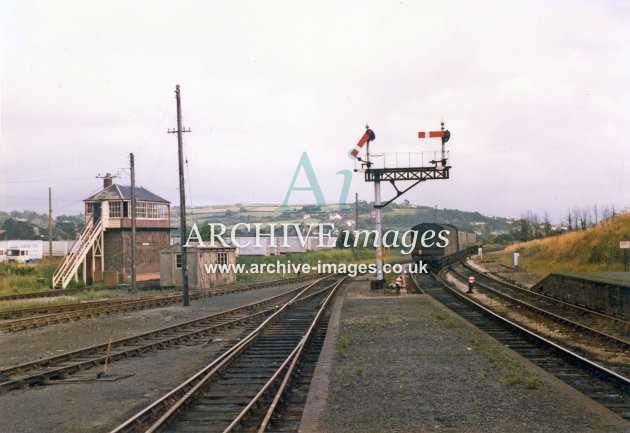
595,249
37,277
90,295
22,278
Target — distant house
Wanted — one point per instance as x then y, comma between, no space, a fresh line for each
334,216
200,261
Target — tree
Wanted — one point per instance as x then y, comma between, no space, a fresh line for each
546,225
18,229
524,233
65,230
346,237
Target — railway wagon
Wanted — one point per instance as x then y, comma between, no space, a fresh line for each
442,244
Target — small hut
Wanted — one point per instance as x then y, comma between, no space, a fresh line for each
201,261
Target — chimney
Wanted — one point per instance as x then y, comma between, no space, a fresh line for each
107,180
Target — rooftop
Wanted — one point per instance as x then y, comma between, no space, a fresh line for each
120,192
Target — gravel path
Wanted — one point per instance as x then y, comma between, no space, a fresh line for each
406,364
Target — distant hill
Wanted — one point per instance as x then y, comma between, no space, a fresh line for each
394,217
27,225
404,217
31,225
595,249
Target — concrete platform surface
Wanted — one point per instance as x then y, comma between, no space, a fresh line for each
407,364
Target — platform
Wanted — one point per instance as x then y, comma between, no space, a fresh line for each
406,364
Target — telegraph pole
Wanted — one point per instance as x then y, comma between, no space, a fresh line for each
356,211
182,195
133,222
50,228
379,232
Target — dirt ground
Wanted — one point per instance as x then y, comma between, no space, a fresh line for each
83,403
398,364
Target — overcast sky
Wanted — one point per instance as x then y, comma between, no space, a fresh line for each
536,95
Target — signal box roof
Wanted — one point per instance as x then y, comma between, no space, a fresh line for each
120,192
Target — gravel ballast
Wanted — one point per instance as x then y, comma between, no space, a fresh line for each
407,364
83,403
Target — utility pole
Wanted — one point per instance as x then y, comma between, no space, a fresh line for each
182,195
50,228
133,222
356,211
379,232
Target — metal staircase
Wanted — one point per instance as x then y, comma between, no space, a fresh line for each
68,268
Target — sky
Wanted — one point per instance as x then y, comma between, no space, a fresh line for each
536,95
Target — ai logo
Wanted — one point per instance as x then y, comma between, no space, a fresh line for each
313,185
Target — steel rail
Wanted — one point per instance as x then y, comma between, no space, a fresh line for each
54,309
100,308
142,286
621,322
610,339
177,396
605,372
296,357
240,347
90,351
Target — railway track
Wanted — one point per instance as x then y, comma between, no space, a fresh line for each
610,331
243,388
45,294
29,318
602,384
196,331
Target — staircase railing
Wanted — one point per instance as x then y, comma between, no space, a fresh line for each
81,247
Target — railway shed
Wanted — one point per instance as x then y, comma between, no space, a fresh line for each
200,263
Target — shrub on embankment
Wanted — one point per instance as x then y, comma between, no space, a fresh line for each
595,249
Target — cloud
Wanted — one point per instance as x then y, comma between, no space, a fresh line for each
536,95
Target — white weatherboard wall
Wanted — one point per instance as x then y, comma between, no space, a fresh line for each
59,248
35,250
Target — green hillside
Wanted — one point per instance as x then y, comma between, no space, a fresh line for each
595,249
394,217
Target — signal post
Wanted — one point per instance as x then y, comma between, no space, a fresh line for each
415,172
